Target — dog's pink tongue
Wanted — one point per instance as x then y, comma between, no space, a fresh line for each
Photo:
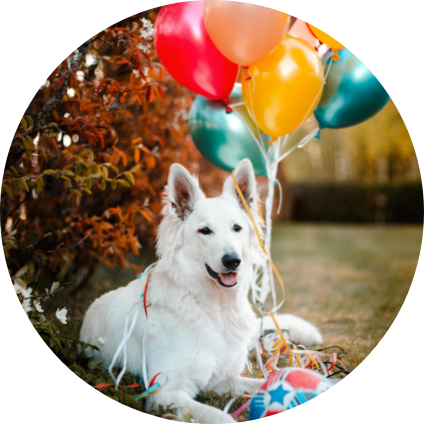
229,279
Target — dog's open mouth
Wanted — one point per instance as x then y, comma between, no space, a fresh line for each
227,279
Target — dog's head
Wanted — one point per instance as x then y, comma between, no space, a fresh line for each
211,237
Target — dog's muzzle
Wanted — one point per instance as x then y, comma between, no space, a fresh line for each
228,279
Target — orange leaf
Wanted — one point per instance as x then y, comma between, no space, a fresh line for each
155,91
145,149
134,246
115,159
91,106
102,141
137,98
137,59
124,159
59,84
149,94
150,160
160,89
120,62
150,188
136,155
138,38
136,140
127,113
146,56
146,215
74,79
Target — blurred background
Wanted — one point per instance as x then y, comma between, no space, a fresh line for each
365,173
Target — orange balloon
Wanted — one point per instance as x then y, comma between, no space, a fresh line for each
326,39
300,30
244,33
283,90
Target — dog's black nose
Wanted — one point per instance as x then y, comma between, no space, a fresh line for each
231,261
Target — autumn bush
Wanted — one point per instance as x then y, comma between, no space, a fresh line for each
84,176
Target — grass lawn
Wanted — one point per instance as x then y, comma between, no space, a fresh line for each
349,280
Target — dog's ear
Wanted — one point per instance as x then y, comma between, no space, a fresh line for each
246,181
183,191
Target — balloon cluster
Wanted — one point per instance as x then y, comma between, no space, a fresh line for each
289,70
203,44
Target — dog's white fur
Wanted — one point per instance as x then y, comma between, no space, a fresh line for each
199,331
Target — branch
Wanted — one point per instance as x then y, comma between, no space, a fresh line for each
37,275
48,294
33,249
44,295
3,219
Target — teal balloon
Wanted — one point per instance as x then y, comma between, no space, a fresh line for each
352,94
224,139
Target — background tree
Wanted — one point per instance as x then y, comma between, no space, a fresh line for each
378,150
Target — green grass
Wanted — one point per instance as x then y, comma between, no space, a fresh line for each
349,280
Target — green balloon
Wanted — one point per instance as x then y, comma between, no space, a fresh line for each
224,139
352,94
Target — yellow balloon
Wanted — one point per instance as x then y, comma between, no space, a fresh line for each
326,39
283,90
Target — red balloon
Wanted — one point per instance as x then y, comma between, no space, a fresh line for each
188,53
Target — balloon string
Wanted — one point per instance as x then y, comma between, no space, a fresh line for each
286,137
260,145
327,67
280,202
236,104
305,140
257,232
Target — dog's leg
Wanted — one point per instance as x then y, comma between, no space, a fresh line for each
180,400
300,331
239,386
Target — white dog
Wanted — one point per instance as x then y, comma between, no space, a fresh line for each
200,319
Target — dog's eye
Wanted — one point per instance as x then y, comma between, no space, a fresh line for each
205,231
237,228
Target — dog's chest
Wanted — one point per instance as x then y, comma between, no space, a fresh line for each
221,341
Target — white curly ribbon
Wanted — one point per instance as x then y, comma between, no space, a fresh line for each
127,334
